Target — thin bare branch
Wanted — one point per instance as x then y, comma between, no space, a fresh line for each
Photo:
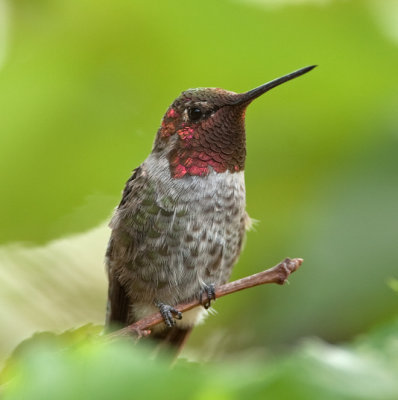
277,274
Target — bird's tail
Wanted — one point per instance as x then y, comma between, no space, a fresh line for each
170,341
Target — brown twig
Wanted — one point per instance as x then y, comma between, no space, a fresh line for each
277,274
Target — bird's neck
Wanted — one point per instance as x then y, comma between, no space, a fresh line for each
156,167
201,160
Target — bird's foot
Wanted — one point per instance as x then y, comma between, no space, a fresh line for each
210,291
169,314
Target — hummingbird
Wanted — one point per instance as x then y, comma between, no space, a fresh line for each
181,222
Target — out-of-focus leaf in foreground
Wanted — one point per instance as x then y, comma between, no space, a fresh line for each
366,369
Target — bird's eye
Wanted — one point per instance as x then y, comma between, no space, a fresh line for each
195,114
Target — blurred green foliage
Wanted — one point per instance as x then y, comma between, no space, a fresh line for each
83,86
314,370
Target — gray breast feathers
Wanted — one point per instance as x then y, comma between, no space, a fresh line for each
169,236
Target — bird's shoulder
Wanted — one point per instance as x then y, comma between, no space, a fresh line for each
136,180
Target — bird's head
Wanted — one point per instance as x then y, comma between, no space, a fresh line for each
204,129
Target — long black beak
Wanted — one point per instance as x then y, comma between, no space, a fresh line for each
258,91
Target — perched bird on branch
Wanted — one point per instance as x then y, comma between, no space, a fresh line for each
180,225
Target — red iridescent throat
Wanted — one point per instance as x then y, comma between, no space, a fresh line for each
207,145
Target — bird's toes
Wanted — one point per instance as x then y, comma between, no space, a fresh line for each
210,291
169,314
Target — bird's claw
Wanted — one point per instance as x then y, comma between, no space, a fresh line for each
169,314
210,291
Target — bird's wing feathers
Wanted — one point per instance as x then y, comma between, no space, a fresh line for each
118,301
118,304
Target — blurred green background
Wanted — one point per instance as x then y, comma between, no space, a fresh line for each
83,86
